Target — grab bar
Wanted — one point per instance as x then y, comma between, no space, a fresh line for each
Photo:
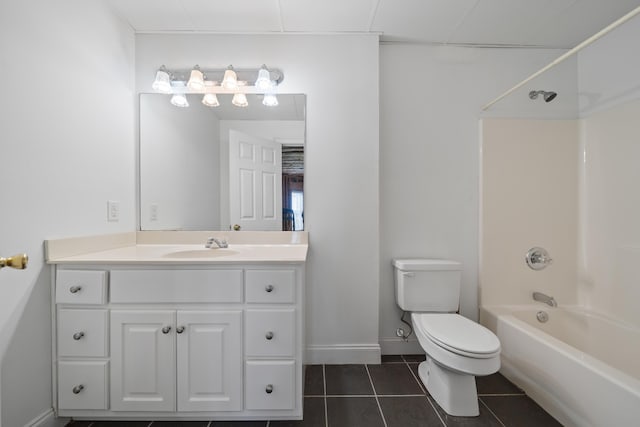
19,261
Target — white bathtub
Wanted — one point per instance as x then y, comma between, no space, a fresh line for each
581,367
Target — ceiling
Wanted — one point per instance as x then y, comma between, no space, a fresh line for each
544,23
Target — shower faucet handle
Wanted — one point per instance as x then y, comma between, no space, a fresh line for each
538,258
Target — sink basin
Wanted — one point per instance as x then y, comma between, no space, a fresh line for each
201,253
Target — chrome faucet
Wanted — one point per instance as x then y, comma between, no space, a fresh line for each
220,243
539,296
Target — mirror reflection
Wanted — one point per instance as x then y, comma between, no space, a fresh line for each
224,167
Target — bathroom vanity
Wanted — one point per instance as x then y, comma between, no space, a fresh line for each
177,331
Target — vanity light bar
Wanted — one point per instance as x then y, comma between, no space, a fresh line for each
205,80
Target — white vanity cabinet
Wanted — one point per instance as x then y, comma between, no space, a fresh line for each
222,342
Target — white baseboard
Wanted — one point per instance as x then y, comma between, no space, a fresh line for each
395,345
47,419
343,354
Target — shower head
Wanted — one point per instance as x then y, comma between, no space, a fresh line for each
547,96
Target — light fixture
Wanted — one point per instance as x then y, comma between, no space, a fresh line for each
230,79
263,82
162,82
210,100
196,79
240,100
211,82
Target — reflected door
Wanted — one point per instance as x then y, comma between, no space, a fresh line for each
255,182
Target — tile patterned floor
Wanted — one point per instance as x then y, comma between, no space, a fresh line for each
386,395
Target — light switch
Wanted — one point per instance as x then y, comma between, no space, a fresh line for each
113,210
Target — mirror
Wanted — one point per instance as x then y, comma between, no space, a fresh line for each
221,168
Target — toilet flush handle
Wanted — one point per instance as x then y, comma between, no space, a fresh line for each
408,274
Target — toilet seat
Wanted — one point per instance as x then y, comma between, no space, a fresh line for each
457,334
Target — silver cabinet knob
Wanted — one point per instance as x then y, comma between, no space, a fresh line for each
77,389
269,288
180,329
78,335
166,329
269,388
75,289
269,335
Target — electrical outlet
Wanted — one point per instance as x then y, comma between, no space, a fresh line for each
153,212
113,210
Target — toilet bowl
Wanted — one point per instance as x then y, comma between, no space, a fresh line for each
457,349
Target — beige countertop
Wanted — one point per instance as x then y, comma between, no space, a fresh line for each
127,249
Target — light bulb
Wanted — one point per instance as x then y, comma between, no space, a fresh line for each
230,79
210,100
240,100
196,80
263,82
162,83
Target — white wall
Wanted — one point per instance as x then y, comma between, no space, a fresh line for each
67,141
339,75
430,100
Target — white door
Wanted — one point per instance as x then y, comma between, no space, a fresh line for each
209,360
255,182
143,360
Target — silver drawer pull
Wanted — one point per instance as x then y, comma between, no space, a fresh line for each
269,388
75,289
269,335
77,389
166,329
269,288
78,335
180,329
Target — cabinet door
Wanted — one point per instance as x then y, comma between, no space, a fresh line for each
142,360
209,360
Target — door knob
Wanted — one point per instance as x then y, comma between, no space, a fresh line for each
166,329
19,261
236,227
78,335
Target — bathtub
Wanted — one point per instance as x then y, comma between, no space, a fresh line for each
581,367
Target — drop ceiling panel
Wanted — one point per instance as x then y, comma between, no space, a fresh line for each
326,15
423,20
506,21
233,16
579,21
153,15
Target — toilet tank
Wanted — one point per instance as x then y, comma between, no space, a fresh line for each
429,285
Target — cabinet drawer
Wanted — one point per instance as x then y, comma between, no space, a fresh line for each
82,333
270,286
80,287
176,286
82,385
270,332
270,384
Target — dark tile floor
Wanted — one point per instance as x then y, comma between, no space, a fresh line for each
386,395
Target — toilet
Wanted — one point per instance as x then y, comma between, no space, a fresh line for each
457,348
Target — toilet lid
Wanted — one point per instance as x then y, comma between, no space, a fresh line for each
458,334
